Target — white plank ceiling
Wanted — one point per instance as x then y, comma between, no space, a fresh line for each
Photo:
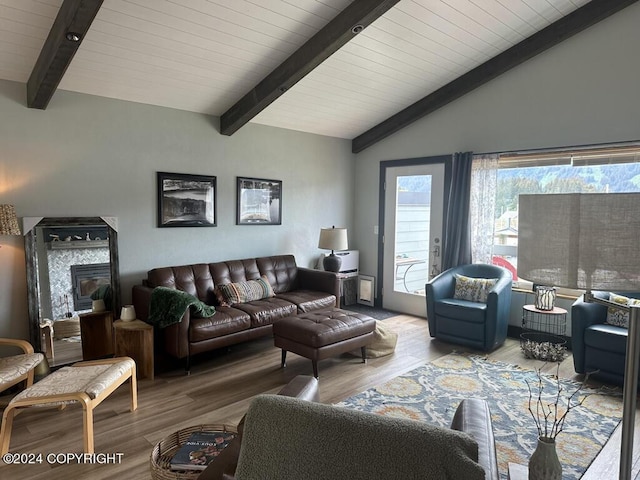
204,55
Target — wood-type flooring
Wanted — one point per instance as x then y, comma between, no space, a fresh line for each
219,390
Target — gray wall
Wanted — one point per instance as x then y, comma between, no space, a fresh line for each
582,91
87,156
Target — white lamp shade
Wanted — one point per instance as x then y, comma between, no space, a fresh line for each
333,239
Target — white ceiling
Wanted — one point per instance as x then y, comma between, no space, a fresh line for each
204,55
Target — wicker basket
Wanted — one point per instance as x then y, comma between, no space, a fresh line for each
66,328
164,451
543,346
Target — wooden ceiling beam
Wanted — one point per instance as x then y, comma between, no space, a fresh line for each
571,24
69,28
346,25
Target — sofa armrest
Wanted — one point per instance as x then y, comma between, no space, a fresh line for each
319,280
175,337
224,466
473,417
141,298
23,345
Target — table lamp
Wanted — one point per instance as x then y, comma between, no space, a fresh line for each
588,241
333,239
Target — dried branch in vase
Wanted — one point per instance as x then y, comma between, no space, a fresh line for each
549,414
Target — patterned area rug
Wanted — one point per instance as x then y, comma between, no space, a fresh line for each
431,393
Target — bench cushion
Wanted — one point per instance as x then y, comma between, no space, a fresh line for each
324,327
90,379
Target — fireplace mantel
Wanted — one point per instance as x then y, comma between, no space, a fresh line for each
66,245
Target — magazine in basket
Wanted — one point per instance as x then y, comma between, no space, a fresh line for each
200,449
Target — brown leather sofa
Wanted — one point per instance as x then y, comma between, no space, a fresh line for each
471,417
297,290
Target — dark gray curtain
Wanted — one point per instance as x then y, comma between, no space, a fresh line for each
456,245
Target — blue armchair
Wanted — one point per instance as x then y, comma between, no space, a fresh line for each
597,346
482,326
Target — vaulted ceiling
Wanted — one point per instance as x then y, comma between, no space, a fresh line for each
358,70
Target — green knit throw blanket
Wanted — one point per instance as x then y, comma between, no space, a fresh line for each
169,305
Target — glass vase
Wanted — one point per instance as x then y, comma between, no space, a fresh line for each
544,463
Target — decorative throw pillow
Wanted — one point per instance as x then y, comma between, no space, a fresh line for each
616,316
473,289
231,293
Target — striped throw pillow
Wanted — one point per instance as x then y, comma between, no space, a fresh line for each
241,292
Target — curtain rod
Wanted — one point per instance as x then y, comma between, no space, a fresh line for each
557,150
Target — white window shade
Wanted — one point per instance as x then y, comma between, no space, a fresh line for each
583,241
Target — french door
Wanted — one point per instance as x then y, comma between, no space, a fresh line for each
413,219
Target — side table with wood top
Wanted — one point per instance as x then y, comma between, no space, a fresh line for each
135,339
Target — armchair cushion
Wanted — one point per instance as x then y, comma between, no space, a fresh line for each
606,337
470,311
17,367
473,289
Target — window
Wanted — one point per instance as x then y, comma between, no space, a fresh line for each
594,170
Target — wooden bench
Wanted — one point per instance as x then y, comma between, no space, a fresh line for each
87,383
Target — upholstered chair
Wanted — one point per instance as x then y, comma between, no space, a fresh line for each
469,305
16,368
599,338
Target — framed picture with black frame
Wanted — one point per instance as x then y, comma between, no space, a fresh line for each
186,200
259,201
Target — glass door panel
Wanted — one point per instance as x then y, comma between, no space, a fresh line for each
413,228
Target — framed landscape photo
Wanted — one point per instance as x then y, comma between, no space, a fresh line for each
259,201
186,200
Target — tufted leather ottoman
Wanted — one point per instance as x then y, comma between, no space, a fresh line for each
323,334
